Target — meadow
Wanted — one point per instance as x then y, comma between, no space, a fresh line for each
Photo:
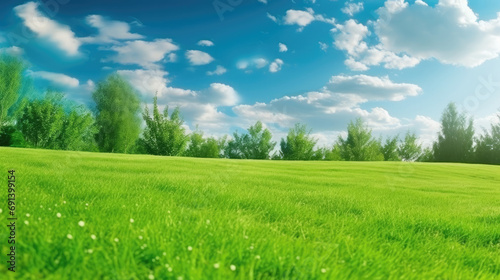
110,216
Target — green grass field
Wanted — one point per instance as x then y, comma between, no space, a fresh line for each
151,217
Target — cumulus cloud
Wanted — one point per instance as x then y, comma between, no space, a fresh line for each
300,18
56,78
304,18
352,8
109,30
461,39
205,43
48,29
219,70
282,47
220,95
372,88
147,82
350,37
334,106
198,57
143,53
275,66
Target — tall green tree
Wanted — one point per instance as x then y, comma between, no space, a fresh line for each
11,77
409,149
390,149
117,115
456,139
256,144
359,144
42,121
488,146
299,144
78,130
52,123
164,134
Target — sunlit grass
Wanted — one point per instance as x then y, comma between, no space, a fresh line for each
107,216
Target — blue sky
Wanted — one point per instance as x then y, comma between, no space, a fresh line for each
228,64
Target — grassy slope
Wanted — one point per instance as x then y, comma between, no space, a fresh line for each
306,220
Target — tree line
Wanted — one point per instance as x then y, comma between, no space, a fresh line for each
114,125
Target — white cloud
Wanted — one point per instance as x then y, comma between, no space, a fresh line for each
242,65
147,82
248,64
56,33
109,30
205,43
458,37
323,46
334,106
275,66
350,37
260,62
16,51
372,88
304,18
354,65
56,78
300,18
221,95
283,47
143,53
198,57
271,17
352,8
219,70
171,57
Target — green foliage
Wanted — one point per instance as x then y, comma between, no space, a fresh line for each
427,155
299,144
409,149
11,78
390,149
164,135
46,124
359,144
205,147
42,121
78,131
117,115
488,146
11,137
256,144
456,139
320,154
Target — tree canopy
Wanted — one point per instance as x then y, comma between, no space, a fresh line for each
117,115
359,144
164,134
299,144
456,139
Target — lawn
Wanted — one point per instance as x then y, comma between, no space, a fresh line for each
110,216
